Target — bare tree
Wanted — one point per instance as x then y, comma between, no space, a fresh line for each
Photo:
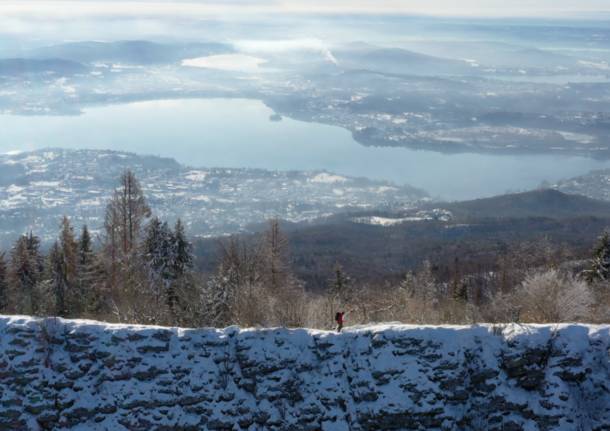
126,213
550,296
285,292
275,257
125,216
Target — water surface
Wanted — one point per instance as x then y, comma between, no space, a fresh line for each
238,133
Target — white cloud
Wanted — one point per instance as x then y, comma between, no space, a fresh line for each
279,46
230,62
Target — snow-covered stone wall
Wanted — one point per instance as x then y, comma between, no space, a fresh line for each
61,374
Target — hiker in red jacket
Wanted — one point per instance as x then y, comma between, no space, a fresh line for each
339,318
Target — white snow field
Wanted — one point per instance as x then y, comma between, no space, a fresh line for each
74,374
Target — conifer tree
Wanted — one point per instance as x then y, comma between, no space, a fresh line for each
154,249
600,263
90,276
159,257
183,251
69,255
25,273
85,250
181,288
221,296
408,285
340,289
4,291
57,281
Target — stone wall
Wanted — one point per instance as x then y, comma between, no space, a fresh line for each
62,374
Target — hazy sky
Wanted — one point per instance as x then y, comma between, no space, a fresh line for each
70,8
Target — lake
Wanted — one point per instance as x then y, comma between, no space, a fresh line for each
239,133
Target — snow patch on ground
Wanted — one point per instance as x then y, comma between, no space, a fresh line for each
327,178
196,176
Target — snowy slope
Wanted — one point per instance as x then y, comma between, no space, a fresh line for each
84,375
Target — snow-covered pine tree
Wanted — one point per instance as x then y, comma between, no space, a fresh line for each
152,249
600,263
220,297
159,254
408,286
181,290
233,295
183,251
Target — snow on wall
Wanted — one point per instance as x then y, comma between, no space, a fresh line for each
85,375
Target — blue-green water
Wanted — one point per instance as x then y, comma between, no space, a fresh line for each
238,133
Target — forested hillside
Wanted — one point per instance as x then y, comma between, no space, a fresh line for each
144,270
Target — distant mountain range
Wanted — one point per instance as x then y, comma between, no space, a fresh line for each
129,52
68,59
362,56
38,188
24,66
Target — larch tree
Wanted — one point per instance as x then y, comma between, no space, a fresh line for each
285,291
132,210
275,258
111,241
125,216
